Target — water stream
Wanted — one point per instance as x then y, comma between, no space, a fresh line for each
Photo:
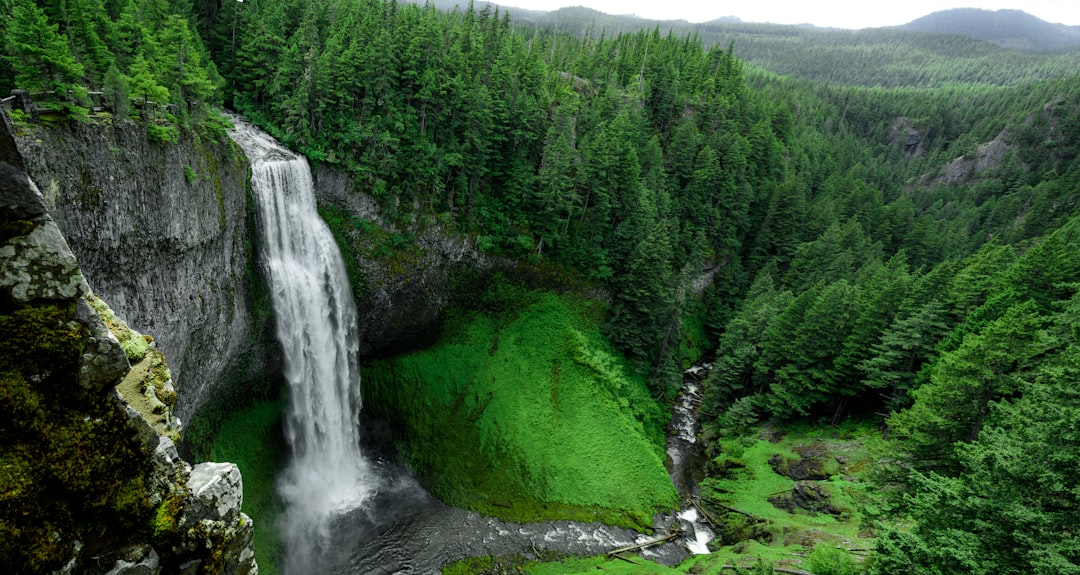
315,318
687,457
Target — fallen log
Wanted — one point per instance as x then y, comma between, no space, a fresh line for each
625,558
731,509
708,518
648,543
776,569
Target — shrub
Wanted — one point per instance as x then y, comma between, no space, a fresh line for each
828,560
162,134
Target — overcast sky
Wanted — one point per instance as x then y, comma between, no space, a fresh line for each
836,13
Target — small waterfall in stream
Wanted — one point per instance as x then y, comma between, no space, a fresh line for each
316,325
687,456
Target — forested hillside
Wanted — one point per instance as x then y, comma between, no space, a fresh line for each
887,57
142,53
843,247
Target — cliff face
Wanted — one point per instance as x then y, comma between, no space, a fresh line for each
161,232
404,279
87,485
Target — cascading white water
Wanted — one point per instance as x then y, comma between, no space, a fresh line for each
316,325
683,450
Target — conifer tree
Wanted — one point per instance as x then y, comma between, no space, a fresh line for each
41,56
117,93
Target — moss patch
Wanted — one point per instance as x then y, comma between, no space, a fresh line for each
252,439
342,225
523,411
70,466
148,386
743,475
134,344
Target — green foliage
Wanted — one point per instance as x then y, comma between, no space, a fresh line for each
162,134
1004,511
828,560
524,412
126,48
952,406
117,93
40,55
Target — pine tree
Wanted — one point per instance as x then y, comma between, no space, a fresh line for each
41,56
117,93
902,350
144,85
953,405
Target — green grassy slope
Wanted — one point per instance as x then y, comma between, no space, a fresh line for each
251,438
522,411
743,479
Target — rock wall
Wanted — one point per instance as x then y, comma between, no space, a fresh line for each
408,278
161,231
411,273
88,485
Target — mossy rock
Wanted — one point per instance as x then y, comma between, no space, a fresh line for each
72,465
134,344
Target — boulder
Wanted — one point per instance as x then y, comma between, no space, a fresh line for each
808,496
217,490
137,560
103,362
212,520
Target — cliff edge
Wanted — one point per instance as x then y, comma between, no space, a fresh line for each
88,483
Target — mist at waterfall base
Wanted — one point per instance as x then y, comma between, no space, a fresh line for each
315,315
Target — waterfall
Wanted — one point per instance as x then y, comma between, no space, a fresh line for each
316,325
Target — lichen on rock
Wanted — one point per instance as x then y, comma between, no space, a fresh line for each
147,387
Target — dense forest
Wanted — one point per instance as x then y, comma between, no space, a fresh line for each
844,247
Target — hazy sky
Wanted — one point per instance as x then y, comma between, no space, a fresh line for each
837,13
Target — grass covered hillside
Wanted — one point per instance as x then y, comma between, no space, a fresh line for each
554,423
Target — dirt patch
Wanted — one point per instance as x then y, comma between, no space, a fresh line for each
772,435
814,463
808,496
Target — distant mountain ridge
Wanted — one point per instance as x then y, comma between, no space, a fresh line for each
1014,29
883,57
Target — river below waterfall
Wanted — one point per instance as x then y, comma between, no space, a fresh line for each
405,530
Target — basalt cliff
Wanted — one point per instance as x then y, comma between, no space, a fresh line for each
90,480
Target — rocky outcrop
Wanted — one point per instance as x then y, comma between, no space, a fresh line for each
903,134
971,166
161,232
88,485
